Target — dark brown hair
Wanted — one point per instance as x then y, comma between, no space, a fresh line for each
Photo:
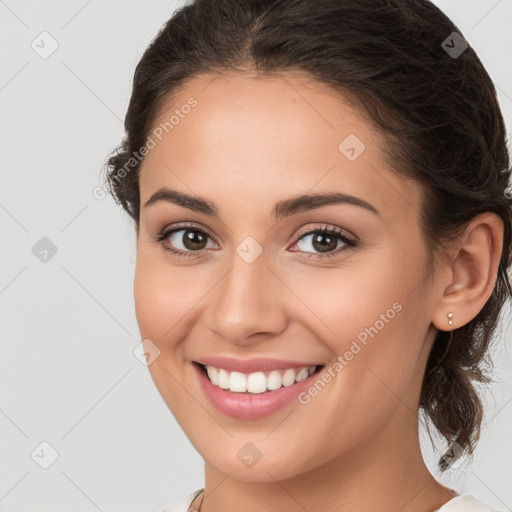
437,110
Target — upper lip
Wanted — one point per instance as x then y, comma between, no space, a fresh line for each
258,364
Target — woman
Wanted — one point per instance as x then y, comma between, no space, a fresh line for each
319,191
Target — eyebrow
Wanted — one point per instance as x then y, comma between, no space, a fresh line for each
281,209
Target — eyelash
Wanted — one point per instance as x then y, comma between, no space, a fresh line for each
165,233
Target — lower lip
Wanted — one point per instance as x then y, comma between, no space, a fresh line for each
250,405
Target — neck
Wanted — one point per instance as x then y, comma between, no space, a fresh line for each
388,474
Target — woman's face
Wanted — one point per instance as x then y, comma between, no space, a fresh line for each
251,284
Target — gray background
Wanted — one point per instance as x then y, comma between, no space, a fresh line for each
68,375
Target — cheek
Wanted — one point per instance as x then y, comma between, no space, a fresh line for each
164,296
370,318
162,302
355,302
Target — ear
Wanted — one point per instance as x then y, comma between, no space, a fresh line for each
469,281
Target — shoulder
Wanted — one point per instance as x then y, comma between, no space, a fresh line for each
465,503
183,504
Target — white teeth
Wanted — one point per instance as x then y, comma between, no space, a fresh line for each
274,380
303,374
237,382
289,377
213,374
223,378
257,382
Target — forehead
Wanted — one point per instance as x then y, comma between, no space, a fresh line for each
267,110
287,131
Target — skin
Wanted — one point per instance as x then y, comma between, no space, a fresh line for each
250,142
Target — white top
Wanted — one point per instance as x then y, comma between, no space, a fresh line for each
462,503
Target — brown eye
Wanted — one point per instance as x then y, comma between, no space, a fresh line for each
184,240
190,239
193,240
324,242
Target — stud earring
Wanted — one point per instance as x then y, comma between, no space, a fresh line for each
450,318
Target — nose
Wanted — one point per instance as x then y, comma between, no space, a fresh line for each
248,303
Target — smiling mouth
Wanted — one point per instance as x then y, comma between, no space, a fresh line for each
257,382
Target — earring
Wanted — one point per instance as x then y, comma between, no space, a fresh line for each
450,318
